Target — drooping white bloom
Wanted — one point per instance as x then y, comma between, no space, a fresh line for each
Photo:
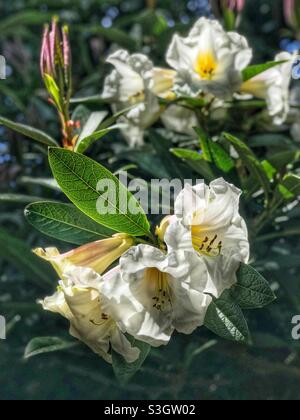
150,294
78,299
209,60
136,83
209,225
273,86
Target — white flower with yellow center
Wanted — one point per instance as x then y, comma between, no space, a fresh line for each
209,60
152,293
78,299
273,86
99,255
209,225
136,83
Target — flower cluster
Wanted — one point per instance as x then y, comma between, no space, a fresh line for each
118,286
208,64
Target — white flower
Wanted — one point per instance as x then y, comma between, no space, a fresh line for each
78,299
179,119
209,224
209,60
294,115
273,86
152,293
136,83
99,255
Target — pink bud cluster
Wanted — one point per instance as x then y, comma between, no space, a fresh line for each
56,51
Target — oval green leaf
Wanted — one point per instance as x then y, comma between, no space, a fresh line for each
79,178
65,222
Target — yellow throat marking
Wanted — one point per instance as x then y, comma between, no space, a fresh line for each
206,65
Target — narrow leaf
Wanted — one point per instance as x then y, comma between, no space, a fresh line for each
251,162
255,70
196,162
29,132
44,345
65,222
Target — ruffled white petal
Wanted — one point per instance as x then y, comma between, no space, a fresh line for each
273,86
79,301
209,225
132,85
230,54
130,292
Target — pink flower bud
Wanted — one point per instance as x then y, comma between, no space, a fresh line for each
235,5
56,51
290,12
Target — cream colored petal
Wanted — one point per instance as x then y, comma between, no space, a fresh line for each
97,255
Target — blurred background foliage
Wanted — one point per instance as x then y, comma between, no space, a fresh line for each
196,367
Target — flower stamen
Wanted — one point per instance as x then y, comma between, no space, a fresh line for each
162,300
205,65
208,246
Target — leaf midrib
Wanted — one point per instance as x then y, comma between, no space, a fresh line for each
68,224
97,192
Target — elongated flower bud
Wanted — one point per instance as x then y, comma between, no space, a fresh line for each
56,70
56,50
291,10
98,255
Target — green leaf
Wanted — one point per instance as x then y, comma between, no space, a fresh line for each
28,17
252,291
255,70
196,162
29,132
94,130
85,143
251,162
44,345
48,183
18,198
229,18
204,141
93,99
111,34
79,176
221,157
65,222
292,183
53,90
92,124
20,256
269,169
214,153
125,371
225,318
284,159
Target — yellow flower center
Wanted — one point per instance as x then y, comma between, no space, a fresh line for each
206,244
206,65
137,98
159,282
